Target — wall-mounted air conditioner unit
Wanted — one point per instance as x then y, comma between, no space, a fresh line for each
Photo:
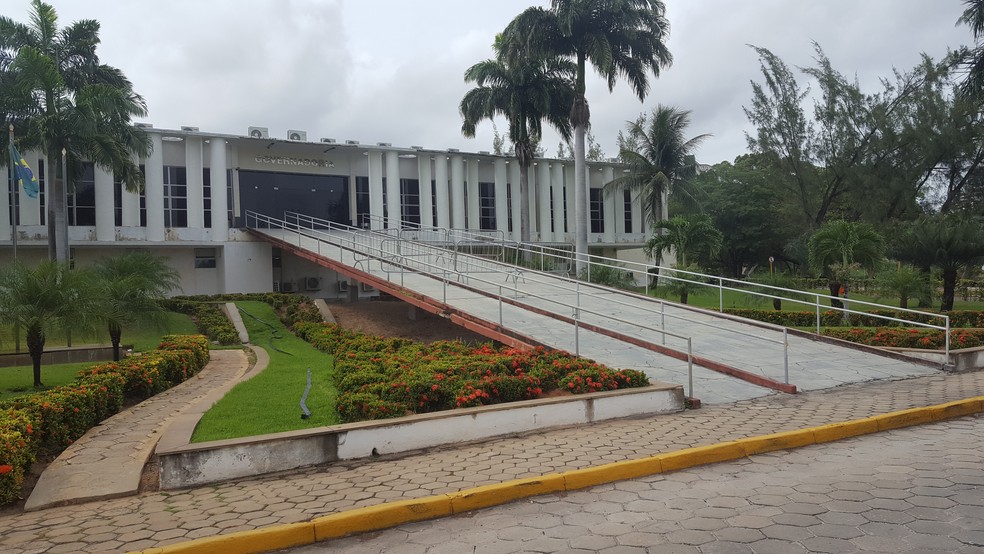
288,286
189,129
353,142
343,286
258,132
276,286
366,287
312,283
328,140
294,134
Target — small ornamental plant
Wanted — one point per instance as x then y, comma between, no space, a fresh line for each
392,377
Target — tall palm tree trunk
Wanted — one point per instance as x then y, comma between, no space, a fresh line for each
58,210
580,118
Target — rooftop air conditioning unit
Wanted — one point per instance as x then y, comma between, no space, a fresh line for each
328,140
415,147
484,152
384,144
288,286
453,150
351,142
258,132
312,283
343,286
142,125
294,134
189,129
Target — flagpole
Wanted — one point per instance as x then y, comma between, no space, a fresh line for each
13,194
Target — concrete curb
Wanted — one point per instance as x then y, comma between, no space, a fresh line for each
391,514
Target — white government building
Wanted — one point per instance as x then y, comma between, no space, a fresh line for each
177,215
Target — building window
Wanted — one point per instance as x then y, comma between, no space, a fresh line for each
486,206
175,196
82,198
204,258
566,217
362,202
207,197
41,194
627,209
509,204
597,208
434,202
117,202
410,202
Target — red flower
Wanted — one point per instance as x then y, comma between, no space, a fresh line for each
6,469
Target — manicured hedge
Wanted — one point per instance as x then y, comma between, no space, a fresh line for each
213,323
391,377
833,318
47,422
910,338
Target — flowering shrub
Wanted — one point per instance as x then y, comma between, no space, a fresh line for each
390,377
930,339
47,422
833,318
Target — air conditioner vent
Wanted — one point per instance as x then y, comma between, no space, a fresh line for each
294,134
189,129
142,125
258,132
384,144
288,286
312,283
366,287
351,142
343,286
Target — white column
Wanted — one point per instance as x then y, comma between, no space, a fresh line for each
105,214
534,202
154,189
394,218
375,190
426,201
543,200
5,227
196,188
474,197
501,198
457,192
612,201
516,204
219,188
441,191
130,204
557,180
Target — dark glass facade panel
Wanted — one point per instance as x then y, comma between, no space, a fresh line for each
82,197
486,206
272,194
362,202
597,211
207,197
175,196
410,202
627,209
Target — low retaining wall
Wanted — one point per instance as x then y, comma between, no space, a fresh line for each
202,463
67,355
964,359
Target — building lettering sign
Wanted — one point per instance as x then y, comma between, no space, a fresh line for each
297,162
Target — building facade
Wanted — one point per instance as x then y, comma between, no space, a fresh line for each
200,186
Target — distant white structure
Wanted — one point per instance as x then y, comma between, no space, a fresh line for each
199,185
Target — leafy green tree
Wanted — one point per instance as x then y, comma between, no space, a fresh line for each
45,298
526,91
64,99
840,247
903,282
664,160
131,288
620,38
950,242
972,59
691,237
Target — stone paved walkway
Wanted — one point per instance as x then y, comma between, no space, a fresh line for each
159,518
108,460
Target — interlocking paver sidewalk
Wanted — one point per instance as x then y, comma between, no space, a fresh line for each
160,518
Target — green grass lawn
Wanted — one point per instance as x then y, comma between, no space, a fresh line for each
143,337
269,402
19,380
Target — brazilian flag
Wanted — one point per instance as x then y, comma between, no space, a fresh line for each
23,175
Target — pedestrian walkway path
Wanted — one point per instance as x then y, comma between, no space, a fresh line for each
159,518
108,460
616,328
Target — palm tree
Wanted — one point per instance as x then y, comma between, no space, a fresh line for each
526,92
661,159
620,38
688,236
45,298
973,59
132,286
66,101
839,246
951,242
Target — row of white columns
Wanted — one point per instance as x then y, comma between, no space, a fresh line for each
105,228
551,194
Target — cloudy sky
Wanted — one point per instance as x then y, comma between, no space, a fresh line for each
391,70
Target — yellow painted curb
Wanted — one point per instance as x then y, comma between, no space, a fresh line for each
904,418
258,540
837,431
501,493
608,473
700,455
776,441
381,516
961,408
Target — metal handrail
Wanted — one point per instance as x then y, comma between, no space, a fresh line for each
321,235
